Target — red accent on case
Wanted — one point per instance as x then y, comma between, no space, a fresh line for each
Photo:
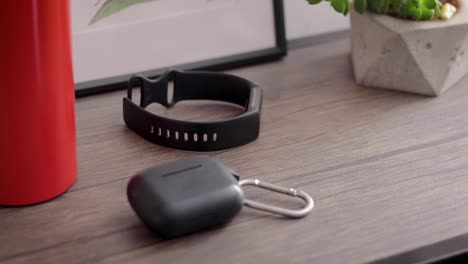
37,133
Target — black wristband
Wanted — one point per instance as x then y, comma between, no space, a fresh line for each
194,136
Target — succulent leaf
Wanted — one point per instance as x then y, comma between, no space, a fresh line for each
430,4
415,12
360,6
340,6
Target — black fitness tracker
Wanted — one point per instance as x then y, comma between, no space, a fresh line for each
194,85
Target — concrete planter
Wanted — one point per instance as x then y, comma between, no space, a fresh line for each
418,57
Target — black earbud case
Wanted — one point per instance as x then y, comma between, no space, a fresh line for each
185,196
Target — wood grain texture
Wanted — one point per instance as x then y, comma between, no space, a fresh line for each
387,170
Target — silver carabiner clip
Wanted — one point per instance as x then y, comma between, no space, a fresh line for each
279,189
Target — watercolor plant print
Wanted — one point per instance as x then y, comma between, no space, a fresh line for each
110,7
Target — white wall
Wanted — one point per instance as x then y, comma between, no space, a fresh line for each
303,20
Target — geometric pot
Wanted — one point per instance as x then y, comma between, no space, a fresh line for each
413,56
37,134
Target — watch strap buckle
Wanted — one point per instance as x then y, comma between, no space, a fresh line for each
153,91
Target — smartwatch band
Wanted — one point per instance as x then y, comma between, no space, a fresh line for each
194,85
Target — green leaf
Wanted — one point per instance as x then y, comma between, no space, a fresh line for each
360,6
379,6
437,9
346,8
430,4
340,6
427,14
111,7
415,12
314,2
397,5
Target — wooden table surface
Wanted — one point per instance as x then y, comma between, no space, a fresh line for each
387,171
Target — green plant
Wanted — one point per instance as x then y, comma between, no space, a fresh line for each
408,9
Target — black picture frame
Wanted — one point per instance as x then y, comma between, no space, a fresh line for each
218,64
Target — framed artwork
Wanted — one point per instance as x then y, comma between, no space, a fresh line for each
114,39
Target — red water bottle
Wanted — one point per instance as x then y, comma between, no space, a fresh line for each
37,133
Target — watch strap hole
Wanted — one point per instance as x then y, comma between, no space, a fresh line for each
170,93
